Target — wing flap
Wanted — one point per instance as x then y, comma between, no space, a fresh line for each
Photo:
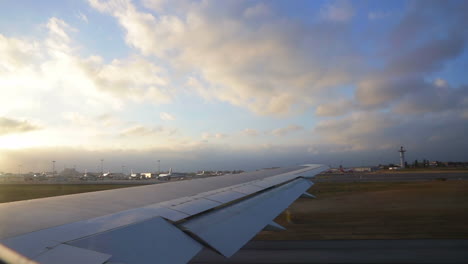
144,242
228,229
73,255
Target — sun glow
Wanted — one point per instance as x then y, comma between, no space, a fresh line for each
19,141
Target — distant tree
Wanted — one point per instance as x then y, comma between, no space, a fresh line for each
416,164
406,164
425,163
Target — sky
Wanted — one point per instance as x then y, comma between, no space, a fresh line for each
209,85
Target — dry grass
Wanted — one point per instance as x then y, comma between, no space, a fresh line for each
436,209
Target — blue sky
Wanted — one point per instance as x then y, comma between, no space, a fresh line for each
231,84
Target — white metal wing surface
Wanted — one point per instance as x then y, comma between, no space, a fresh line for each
161,223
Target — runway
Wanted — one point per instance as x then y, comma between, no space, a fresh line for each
345,251
391,177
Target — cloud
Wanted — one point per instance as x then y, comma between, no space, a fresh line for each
207,135
250,132
427,57
370,131
436,97
258,10
76,118
336,107
82,17
338,11
370,91
166,116
355,130
53,65
143,131
273,65
375,15
266,66
220,135
16,53
13,126
380,92
422,21
58,31
286,130
412,55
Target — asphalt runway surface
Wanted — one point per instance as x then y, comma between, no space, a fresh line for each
345,251
391,177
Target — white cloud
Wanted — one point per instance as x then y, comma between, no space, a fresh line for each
220,135
440,82
208,135
53,64
134,78
254,65
166,116
338,11
76,118
82,17
286,130
16,53
250,132
144,131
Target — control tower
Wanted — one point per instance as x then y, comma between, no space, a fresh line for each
402,157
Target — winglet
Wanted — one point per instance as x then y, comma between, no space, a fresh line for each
274,227
308,195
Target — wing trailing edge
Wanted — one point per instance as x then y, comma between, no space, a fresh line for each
171,231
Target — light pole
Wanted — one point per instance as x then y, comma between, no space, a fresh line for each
53,168
102,167
159,166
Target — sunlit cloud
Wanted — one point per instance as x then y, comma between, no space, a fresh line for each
250,132
286,130
261,69
166,116
140,130
207,135
12,126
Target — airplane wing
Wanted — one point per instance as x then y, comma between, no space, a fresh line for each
159,223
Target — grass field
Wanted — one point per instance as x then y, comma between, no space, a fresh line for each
411,210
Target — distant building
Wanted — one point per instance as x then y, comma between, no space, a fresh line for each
147,175
402,151
364,169
70,172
